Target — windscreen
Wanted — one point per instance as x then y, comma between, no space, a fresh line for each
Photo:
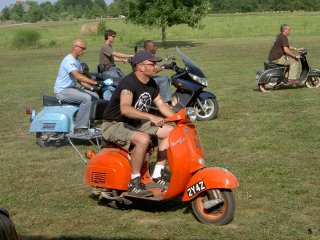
192,67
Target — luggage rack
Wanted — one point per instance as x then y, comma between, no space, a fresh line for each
94,135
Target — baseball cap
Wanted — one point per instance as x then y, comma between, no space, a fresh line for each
144,55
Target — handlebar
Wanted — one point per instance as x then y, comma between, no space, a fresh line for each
303,52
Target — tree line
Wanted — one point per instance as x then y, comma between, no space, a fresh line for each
243,6
30,11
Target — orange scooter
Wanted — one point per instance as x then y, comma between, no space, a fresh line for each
208,189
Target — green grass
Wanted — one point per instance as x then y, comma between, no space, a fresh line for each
269,141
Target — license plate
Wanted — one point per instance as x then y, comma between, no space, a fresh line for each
194,189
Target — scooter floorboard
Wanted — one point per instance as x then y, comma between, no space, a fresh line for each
155,197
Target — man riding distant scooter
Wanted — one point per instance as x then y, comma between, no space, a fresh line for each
163,82
280,53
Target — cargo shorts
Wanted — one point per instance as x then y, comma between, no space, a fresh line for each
121,133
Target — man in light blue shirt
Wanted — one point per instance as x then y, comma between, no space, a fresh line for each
70,72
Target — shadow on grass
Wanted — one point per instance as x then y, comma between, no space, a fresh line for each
170,44
79,238
171,205
282,87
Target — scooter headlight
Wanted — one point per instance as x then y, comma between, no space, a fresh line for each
202,161
191,114
201,80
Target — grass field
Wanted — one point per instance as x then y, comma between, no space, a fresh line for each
269,141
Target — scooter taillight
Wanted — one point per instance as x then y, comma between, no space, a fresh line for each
28,111
90,154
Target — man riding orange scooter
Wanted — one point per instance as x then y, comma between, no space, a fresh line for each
127,121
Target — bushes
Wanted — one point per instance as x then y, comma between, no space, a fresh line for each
26,38
101,28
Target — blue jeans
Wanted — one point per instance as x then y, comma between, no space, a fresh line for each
112,72
163,83
84,98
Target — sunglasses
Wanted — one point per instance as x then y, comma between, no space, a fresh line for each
4,212
113,36
150,64
83,48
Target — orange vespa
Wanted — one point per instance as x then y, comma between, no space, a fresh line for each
208,189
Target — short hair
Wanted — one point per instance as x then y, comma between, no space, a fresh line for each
148,43
109,33
283,27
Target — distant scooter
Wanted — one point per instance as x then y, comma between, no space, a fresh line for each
209,189
55,123
275,75
189,83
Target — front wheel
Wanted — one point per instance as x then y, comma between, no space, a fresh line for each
214,206
313,82
206,110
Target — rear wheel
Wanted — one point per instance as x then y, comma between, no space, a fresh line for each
266,87
49,139
313,82
214,206
207,110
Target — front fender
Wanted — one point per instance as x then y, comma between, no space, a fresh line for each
209,178
205,95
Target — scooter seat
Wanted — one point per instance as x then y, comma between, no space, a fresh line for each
97,109
271,65
53,101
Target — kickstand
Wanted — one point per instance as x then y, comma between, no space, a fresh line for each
69,139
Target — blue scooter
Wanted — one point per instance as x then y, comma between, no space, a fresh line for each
55,123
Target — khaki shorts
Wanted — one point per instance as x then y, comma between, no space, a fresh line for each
120,133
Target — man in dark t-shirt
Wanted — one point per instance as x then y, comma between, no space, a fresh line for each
280,53
127,120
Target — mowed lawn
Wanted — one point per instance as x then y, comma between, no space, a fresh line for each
270,141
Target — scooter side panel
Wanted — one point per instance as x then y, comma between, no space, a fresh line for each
188,85
109,169
54,119
209,178
271,75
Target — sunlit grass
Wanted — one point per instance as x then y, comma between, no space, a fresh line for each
269,141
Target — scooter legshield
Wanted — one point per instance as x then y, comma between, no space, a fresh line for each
109,169
209,178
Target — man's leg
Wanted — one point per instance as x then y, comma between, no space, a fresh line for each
163,134
164,87
293,71
294,65
125,135
82,97
140,141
